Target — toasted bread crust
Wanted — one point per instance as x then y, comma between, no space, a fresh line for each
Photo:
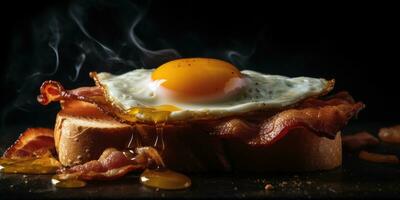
191,149
77,143
300,150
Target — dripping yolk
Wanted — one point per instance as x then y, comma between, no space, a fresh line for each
156,114
198,78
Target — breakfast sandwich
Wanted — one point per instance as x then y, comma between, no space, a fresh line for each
194,115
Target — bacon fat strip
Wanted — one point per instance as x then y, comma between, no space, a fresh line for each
359,140
52,91
113,164
323,117
379,158
390,134
32,143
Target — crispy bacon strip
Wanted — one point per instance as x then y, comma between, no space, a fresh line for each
33,143
324,117
113,164
390,134
359,140
53,91
379,158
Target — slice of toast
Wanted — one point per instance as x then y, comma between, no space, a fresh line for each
83,132
82,135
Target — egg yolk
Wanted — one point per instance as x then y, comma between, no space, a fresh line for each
197,77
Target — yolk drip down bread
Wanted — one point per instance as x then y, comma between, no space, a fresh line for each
204,115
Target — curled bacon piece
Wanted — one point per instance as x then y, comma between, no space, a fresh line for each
32,153
113,164
53,91
323,117
34,142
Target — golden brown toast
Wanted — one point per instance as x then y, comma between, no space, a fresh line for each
82,135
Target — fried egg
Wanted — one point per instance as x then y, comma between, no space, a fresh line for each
202,88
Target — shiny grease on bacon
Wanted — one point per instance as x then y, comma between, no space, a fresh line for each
323,117
34,149
32,153
34,142
53,91
113,164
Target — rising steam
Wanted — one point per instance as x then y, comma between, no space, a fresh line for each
75,13
54,37
160,56
68,48
54,41
80,60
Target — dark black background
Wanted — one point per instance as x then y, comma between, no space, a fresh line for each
355,44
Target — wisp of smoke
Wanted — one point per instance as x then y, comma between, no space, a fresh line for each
81,59
163,54
54,37
75,13
73,48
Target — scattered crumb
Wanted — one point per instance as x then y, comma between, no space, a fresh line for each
297,183
260,181
332,190
283,184
235,188
308,182
268,187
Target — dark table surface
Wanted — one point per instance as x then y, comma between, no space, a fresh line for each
355,179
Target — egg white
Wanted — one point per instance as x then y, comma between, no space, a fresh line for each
261,92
